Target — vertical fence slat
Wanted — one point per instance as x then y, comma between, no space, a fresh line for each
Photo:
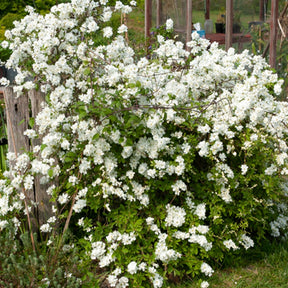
17,113
42,198
229,24
273,33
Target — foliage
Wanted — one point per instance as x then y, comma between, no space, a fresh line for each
162,31
23,267
259,34
11,11
43,7
164,165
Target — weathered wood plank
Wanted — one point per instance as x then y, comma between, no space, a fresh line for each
229,24
17,112
273,33
17,116
44,207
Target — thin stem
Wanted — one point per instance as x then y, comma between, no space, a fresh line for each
29,224
69,215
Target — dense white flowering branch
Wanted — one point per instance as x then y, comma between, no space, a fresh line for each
173,158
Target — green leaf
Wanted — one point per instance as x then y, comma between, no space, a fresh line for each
21,122
43,146
50,173
87,71
31,122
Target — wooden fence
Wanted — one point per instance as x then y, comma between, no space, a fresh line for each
18,112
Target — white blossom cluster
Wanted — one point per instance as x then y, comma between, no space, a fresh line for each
206,269
98,94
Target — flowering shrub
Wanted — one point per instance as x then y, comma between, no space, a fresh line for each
164,165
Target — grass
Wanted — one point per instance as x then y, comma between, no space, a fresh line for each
260,268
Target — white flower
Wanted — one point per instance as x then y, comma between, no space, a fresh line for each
162,252
127,151
123,28
81,222
151,173
175,216
142,266
4,81
118,5
132,267
92,26
229,244
112,279
246,241
63,198
45,228
150,221
52,219
225,194
30,133
3,224
204,129
28,182
169,24
82,193
216,147
178,187
107,32
106,260
203,229
79,205
130,174
98,250
206,269
271,170
200,211
143,167
277,86
4,44
203,147
157,281
73,180
123,282
244,169
204,284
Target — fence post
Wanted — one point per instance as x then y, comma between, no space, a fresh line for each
44,207
18,115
